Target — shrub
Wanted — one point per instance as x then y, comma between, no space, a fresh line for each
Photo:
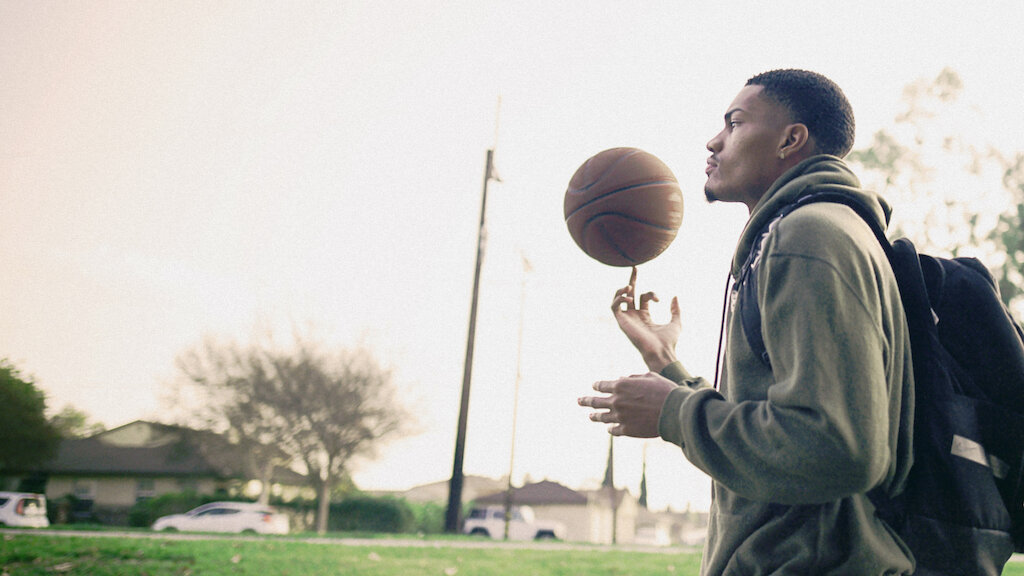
365,513
430,517
69,509
145,512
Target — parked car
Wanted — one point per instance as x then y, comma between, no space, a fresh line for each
226,517
23,509
490,521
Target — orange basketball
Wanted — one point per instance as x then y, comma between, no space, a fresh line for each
623,207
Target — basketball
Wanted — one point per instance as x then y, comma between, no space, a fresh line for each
623,207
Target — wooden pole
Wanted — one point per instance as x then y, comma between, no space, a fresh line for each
452,517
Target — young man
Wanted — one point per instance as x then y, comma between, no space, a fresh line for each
792,447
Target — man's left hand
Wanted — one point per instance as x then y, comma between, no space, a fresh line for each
632,405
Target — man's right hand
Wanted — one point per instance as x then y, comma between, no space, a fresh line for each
656,342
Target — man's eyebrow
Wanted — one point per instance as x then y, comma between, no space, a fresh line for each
728,115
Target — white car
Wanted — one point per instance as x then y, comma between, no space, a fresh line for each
23,509
226,517
490,521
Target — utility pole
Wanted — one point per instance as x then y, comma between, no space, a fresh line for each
451,523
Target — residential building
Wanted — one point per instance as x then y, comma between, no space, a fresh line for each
472,487
111,471
599,516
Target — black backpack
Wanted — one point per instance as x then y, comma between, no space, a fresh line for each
962,510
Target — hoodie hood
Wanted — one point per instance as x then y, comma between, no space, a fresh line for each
821,173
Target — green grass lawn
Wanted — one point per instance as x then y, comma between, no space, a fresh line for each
38,554
27,553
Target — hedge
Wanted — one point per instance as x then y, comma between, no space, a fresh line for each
369,514
145,512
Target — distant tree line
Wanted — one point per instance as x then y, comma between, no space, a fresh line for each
954,191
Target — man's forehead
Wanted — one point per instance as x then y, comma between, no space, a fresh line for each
749,99
752,100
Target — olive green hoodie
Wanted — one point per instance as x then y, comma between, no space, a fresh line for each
794,448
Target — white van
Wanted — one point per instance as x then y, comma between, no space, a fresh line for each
23,509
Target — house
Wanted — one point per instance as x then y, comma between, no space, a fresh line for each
109,472
472,487
670,528
600,516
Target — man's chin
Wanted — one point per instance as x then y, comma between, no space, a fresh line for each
710,196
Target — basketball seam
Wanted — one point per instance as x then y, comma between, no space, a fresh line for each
607,170
614,245
627,217
616,191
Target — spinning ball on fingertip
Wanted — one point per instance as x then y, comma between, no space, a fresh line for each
623,207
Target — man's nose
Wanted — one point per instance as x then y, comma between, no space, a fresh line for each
715,144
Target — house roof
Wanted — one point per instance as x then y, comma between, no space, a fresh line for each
93,456
472,487
540,493
146,448
142,448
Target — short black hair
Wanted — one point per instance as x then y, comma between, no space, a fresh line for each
814,101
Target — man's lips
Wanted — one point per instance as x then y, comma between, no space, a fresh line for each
712,165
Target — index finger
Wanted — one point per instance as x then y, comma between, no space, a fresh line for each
632,278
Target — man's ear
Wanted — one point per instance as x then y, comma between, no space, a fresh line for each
796,139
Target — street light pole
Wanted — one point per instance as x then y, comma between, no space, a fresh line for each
515,397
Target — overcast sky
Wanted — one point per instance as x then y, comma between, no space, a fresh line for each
176,169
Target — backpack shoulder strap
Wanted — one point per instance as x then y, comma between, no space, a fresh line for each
749,309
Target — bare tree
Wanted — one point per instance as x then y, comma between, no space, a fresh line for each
306,406
229,380
334,406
